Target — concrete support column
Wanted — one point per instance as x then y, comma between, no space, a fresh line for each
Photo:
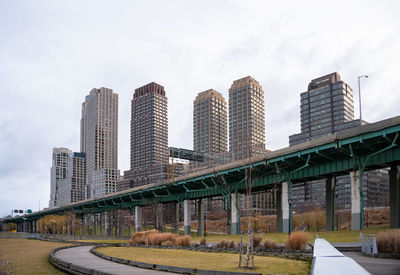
355,201
90,224
95,224
330,203
160,217
82,225
120,223
200,217
187,213
282,208
176,225
101,223
394,197
138,218
235,215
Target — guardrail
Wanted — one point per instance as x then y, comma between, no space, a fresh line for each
368,244
328,261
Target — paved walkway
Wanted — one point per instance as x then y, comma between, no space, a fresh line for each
81,256
378,266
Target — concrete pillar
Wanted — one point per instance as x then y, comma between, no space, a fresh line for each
160,217
235,216
200,217
82,230
282,208
394,197
355,201
90,224
138,218
176,225
187,213
330,203
101,223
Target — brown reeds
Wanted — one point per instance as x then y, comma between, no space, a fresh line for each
270,244
222,244
297,241
388,241
154,237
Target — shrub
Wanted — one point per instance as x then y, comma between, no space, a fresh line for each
270,244
256,241
388,241
203,241
183,241
297,241
222,244
231,244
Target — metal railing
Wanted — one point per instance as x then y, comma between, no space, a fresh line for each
368,244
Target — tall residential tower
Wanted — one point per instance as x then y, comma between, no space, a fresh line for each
246,118
58,172
210,127
149,135
99,140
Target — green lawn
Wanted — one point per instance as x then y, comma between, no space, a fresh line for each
207,260
21,256
342,236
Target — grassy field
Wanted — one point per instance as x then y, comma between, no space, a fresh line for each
341,236
21,256
206,260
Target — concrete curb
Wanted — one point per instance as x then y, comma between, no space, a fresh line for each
175,269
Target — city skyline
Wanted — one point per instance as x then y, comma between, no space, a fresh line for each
281,47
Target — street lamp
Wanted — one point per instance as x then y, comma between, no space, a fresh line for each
359,94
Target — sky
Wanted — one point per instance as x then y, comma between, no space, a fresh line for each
52,53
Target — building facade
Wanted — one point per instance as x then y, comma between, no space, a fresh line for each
58,172
149,136
246,118
99,141
210,126
247,132
325,108
73,187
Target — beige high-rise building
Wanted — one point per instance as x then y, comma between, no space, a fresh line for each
246,118
99,140
209,127
247,132
58,172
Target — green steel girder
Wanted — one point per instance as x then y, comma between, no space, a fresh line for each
334,158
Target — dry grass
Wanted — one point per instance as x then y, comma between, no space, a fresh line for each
20,256
270,244
257,240
154,237
297,241
206,260
388,241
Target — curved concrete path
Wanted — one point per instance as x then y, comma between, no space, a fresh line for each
81,256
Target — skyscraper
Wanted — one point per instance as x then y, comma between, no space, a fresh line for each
247,131
73,187
209,126
246,118
325,108
99,140
149,135
58,172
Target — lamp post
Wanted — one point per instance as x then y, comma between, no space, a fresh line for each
39,203
359,94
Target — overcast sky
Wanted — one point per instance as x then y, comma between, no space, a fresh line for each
52,53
